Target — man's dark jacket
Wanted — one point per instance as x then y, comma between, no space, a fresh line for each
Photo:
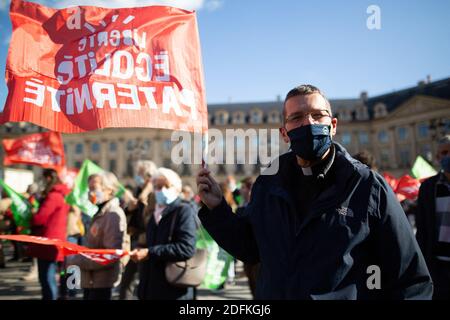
355,223
427,235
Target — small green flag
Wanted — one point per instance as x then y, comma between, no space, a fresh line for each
218,261
80,194
20,207
422,169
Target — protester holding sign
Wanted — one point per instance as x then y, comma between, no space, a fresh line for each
107,231
50,221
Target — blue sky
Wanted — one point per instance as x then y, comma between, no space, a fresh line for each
255,50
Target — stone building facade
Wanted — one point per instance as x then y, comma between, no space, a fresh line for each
395,127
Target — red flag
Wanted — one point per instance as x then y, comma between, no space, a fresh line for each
85,68
408,187
101,256
44,149
391,180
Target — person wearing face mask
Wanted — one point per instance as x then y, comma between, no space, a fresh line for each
433,222
169,208
107,231
321,222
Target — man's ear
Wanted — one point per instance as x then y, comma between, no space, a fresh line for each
283,133
334,122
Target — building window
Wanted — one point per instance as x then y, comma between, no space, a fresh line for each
167,145
346,138
402,133
274,117
345,114
384,157
446,126
380,110
112,165
238,118
383,136
405,161
146,145
130,145
221,118
79,148
363,138
78,164
113,147
256,116
362,113
66,148
95,147
130,168
426,153
423,130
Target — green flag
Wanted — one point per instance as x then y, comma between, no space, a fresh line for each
80,194
20,207
422,169
217,263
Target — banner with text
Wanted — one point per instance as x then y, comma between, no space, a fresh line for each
84,68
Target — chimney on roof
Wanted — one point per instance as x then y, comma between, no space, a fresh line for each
363,96
278,97
428,79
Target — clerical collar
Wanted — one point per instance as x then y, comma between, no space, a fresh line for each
321,169
307,171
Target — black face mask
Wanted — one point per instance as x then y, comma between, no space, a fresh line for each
310,142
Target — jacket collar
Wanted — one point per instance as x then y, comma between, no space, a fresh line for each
109,206
171,207
344,167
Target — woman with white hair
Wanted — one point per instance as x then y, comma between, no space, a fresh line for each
107,231
160,249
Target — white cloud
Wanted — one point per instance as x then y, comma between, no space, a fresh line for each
213,5
4,5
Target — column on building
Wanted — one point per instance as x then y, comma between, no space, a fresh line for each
104,154
413,139
121,157
393,149
355,143
157,144
87,149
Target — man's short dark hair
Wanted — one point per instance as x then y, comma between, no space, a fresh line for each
303,90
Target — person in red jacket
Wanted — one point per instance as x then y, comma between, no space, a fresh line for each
50,221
